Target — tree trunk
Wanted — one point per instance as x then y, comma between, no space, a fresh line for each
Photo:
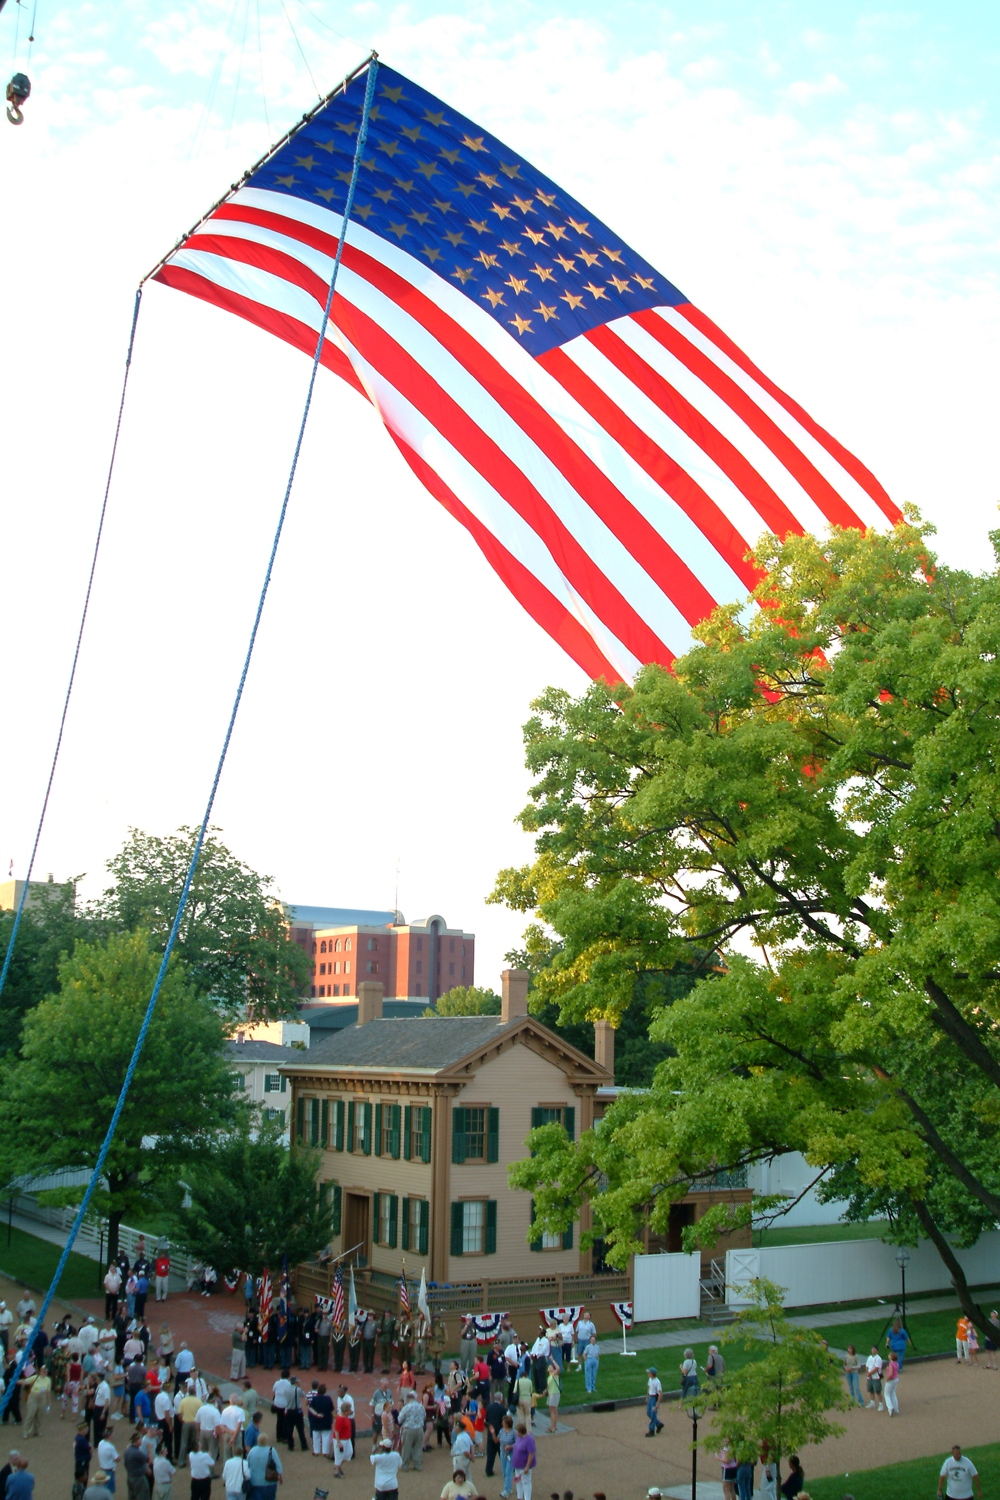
114,1224
971,1309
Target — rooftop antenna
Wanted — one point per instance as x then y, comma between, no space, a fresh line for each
395,904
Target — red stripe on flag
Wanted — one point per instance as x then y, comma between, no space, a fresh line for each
633,530
834,506
857,470
667,473
476,447
769,505
543,607
298,334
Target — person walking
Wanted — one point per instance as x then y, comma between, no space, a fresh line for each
524,1457
281,1395
343,1440
231,1420
654,1395
873,1365
163,1475
957,1477
852,1374
319,1409
138,1470
295,1417
209,1428
265,1470
411,1431
715,1365
690,1384
494,1414
161,1269
525,1393
962,1340
38,1389
591,1358
234,1471
890,1376
112,1289
897,1340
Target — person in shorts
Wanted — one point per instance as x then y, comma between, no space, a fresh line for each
873,1365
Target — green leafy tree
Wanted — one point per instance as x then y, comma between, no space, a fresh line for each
466,1000
233,938
780,1399
50,927
808,810
58,1098
251,1201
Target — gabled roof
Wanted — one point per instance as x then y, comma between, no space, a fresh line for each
436,1044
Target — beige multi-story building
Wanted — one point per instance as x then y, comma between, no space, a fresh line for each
418,1119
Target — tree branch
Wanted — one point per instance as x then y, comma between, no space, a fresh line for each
944,1152
951,1021
971,1309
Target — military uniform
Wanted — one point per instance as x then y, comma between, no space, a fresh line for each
338,1338
386,1339
354,1349
404,1342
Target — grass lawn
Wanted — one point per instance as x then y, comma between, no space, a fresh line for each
819,1234
931,1332
915,1480
33,1260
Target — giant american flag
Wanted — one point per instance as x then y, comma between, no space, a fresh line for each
613,453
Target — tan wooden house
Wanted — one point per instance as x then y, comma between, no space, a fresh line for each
418,1120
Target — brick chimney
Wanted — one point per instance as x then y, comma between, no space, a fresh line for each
514,989
604,1046
369,1001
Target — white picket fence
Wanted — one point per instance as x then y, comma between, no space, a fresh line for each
852,1270
89,1240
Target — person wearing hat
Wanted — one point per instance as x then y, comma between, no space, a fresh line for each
386,1464
654,1395
97,1489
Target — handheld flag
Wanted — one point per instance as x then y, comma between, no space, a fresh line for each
422,1302
352,1301
338,1297
612,452
265,1303
404,1294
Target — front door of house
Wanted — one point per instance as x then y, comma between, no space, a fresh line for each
357,1226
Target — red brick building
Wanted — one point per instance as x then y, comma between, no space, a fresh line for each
411,960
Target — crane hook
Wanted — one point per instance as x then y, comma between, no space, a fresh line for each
17,92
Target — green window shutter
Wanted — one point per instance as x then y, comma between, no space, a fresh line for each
338,1198
458,1134
350,1125
394,1127
406,1223
491,1226
423,1232
367,1125
314,1122
324,1124
569,1120
393,1220
301,1120
534,1244
567,1239
376,1218
407,1128
284,1084
493,1135
457,1216
425,1135
338,1128
378,1130
537,1117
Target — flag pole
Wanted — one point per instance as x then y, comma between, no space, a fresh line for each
271,151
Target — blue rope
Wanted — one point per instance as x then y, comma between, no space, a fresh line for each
206,819
76,654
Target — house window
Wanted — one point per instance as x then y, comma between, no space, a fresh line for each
451,971
386,1216
274,1114
347,989
417,1132
337,946
551,1241
474,1226
555,1114
416,989
362,1128
451,945
416,1220
347,945
373,945
272,1083
420,966
372,967
347,965
322,968
390,1130
475,1134
420,944
336,989
241,1081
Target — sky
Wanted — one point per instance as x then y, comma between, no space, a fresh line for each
822,180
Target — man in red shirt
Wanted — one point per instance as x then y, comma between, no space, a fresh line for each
161,1266
481,1377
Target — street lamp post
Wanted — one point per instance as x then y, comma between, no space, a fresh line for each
695,1409
902,1261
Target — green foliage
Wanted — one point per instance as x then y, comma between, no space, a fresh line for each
233,939
252,1201
59,1096
465,1000
50,928
778,1399
808,810
906,1480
